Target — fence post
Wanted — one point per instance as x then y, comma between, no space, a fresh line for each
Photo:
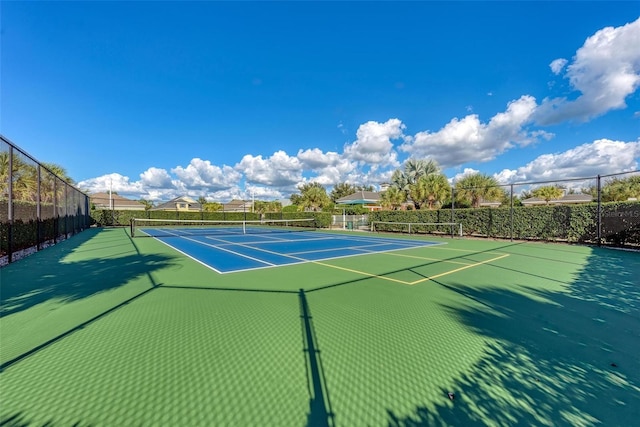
453,207
10,206
511,214
38,212
599,217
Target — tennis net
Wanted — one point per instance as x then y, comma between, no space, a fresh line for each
438,228
141,227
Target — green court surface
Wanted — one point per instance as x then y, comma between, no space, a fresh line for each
105,330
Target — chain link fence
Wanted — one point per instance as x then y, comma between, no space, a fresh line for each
37,207
601,210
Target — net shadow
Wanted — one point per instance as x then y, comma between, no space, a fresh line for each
320,412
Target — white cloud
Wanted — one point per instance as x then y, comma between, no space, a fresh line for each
373,144
330,167
201,174
605,70
465,172
155,178
262,193
317,159
557,65
111,182
469,140
600,157
278,170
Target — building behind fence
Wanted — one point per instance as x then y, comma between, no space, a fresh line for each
37,207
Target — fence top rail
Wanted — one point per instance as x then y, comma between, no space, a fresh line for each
40,165
559,180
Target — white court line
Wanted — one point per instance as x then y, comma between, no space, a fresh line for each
377,242
222,249
355,248
227,242
321,260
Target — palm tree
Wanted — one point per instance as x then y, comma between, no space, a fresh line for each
315,199
399,180
478,187
431,190
148,204
59,171
202,201
548,193
414,169
4,174
621,189
393,198
314,196
342,189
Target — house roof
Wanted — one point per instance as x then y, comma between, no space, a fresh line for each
171,204
534,201
569,198
106,200
237,205
575,198
359,198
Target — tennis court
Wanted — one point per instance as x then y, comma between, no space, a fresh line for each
328,328
233,246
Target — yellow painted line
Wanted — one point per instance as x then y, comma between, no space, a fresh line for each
362,272
457,269
464,250
428,259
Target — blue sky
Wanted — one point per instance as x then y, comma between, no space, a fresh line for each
223,99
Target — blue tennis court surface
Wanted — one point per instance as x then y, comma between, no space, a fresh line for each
240,252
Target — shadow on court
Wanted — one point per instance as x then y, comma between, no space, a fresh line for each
44,276
320,413
556,358
90,263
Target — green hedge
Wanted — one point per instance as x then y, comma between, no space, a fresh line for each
323,219
123,218
620,223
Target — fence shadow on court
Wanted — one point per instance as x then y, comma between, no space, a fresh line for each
553,358
45,277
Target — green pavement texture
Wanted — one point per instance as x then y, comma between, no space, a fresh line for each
105,330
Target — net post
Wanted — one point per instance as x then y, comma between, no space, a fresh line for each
131,226
460,225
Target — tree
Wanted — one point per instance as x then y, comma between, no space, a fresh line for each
342,189
548,193
618,190
478,187
264,207
59,171
296,199
414,169
393,198
213,207
430,190
148,204
313,196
